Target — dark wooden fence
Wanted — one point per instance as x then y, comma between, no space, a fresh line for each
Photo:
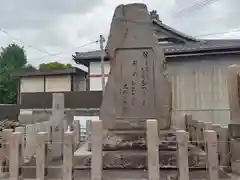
72,100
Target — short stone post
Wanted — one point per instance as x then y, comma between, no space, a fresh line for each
68,155
200,132
153,150
182,141
41,155
76,133
191,127
6,136
224,147
97,141
14,161
233,93
210,138
217,129
88,132
22,131
194,136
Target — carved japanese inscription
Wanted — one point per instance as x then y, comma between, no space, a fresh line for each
136,90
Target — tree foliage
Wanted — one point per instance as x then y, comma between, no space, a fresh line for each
12,58
54,65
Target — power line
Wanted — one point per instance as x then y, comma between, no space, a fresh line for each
194,7
219,33
43,51
59,53
28,45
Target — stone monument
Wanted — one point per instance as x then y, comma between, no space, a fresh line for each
137,90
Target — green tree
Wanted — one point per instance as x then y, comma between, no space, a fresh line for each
29,67
54,65
12,58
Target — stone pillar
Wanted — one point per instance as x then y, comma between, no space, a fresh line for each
191,127
182,141
153,150
210,138
88,132
188,121
97,141
200,132
233,93
22,131
224,147
14,159
31,144
57,125
6,136
217,129
68,155
77,133
41,155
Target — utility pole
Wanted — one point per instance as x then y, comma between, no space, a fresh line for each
102,40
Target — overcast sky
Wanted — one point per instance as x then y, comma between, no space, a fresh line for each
46,27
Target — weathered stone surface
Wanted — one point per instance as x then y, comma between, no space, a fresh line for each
138,160
136,140
137,87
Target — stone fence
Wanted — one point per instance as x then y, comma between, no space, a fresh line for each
14,151
196,137
228,141
29,138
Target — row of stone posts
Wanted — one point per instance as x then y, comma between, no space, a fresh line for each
15,154
209,137
16,157
196,131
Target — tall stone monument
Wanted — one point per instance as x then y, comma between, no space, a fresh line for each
137,88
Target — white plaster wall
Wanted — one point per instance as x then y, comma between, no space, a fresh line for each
58,83
200,88
31,84
95,75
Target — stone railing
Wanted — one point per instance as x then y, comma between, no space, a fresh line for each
29,142
228,141
16,167
196,137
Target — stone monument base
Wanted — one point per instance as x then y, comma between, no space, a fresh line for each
127,149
